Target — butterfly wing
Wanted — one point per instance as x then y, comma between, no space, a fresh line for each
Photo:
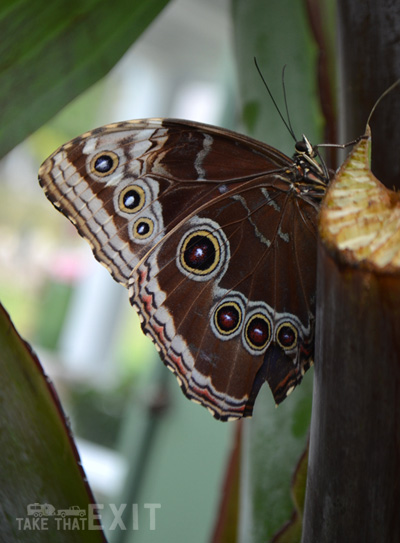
228,299
152,156
209,232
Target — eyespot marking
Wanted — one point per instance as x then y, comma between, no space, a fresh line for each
143,228
131,199
228,318
258,332
286,335
104,163
203,250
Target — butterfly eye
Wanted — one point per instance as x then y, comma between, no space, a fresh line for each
258,332
132,199
200,253
104,163
227,318
286,335
143,228
300,147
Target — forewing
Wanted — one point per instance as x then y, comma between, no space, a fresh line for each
172,168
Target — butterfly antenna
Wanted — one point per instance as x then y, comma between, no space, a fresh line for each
389,89
286,123
289,124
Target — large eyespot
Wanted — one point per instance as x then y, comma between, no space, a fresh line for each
143,228
203,251
200,252
257,332
286,336
131,199
228,318
104,163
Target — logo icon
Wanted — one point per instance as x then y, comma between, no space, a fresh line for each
73,511
40,510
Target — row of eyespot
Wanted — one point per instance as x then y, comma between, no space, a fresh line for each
228,318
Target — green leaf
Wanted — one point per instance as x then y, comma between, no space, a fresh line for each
273,441
39,463
291,531
50,52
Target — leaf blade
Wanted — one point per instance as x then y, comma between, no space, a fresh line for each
52,52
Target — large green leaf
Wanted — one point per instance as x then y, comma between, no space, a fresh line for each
52,51
39,463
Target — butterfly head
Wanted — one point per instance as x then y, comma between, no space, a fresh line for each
304,147
306,157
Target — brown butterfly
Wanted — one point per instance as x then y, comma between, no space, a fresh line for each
214,235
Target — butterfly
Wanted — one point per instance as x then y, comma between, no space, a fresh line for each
214,235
